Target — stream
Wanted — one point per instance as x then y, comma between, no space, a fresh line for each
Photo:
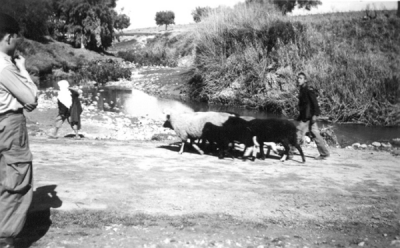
347,134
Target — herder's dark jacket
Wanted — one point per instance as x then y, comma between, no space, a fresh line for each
308,104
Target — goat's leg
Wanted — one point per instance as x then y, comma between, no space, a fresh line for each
301,152
285,155
254,153
203,144
262,155
268,151
271,146
182,147
195,146
198,149
246,152
221,148
260,146
229,149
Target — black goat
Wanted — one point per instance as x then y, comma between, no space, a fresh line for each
277,131
235,129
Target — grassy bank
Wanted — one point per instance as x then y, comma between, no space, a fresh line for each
250,55
165,48
51,60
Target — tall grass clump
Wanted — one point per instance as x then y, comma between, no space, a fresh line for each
249,56
356,66
239,57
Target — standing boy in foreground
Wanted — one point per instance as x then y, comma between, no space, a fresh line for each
17,92
309,110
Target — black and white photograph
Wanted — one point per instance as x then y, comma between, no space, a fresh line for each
199,123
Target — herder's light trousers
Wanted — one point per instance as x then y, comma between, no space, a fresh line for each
15,174
304,127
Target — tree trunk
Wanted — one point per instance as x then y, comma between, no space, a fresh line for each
82,42
398,8
166,27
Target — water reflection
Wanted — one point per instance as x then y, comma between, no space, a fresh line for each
204,107
108,98
348,134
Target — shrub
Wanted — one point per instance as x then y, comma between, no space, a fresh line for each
101,71
127,56
164,49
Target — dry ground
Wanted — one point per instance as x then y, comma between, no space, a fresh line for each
92,193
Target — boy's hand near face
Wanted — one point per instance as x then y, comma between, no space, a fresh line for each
20,62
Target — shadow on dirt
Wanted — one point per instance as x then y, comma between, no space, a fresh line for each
235,154
176,146
81,136
38,220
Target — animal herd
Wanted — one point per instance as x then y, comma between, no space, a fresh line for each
224,130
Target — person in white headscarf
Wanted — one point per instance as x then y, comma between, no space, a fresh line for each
69,108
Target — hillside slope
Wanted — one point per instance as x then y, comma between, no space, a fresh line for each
53,58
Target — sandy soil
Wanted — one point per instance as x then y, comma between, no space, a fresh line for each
109,193
352,199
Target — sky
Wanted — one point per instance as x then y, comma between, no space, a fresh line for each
143,12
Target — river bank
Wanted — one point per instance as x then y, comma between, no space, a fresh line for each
125,185
146,124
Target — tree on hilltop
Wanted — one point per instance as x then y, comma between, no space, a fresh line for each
199,13
165,18
121,21
287,6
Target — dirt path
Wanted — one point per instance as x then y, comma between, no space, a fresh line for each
144,194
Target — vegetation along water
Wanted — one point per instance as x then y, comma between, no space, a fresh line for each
244,56
353,62
248,56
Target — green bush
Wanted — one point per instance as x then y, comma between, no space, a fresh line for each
101,71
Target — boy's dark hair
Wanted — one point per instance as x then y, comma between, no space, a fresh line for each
302,73
8,25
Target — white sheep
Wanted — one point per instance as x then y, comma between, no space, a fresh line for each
190,125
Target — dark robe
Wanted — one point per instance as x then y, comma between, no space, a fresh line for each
73,114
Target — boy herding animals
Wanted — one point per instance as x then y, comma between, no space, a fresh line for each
69,108
307,120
